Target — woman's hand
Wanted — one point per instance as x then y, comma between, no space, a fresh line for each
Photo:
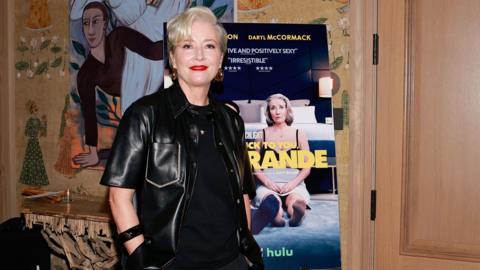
287,187
87,159
271,185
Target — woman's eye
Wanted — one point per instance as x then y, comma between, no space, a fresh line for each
186,46
211,46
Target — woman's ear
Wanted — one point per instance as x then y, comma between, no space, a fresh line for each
221,59
171,59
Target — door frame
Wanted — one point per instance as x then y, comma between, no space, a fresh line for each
8,186
360,235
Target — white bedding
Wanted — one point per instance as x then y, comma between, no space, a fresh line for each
314,132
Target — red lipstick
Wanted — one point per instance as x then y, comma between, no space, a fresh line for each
198,68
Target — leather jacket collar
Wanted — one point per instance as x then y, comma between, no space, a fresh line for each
179,102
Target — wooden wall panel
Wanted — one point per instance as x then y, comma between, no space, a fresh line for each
8,206
442,149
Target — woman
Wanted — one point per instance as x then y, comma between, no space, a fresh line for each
184,154
103,68
281,188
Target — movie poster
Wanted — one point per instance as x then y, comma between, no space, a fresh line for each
278,76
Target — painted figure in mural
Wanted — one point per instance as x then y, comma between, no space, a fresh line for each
184,154
64,159
33,170
281,188
103,68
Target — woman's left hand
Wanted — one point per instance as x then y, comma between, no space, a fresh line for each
287,187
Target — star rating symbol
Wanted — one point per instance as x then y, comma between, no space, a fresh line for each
233,69
264,68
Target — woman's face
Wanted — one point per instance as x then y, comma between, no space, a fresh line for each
93,26
198,58
278,110
33,109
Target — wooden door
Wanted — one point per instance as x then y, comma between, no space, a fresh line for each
427,157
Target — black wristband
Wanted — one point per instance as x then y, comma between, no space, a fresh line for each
130,233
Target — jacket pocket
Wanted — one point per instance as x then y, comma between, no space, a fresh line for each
163,164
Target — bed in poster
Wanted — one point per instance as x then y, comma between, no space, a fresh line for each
290,140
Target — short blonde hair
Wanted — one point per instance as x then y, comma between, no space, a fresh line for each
288,118
180,27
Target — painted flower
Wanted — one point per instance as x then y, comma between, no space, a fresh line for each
19,75
35,64
30,73
61,73
42,39
55,39
23,39
47,76
343,23
34,43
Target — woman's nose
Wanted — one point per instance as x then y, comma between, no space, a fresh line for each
199,54
91,29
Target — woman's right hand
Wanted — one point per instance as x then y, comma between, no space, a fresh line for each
136,260
271,185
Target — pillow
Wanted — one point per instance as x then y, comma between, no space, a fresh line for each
299,102
257,101
249,112
243,101
263,118
304,115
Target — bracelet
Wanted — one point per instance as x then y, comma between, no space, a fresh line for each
130,233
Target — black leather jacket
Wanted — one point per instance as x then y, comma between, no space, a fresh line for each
155,153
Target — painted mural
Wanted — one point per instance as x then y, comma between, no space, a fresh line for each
116,57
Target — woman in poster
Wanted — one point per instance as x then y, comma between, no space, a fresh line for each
103,68
280,188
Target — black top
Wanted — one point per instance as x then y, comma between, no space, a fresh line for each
266,148
208,236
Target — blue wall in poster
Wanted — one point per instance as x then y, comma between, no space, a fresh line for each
291,67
